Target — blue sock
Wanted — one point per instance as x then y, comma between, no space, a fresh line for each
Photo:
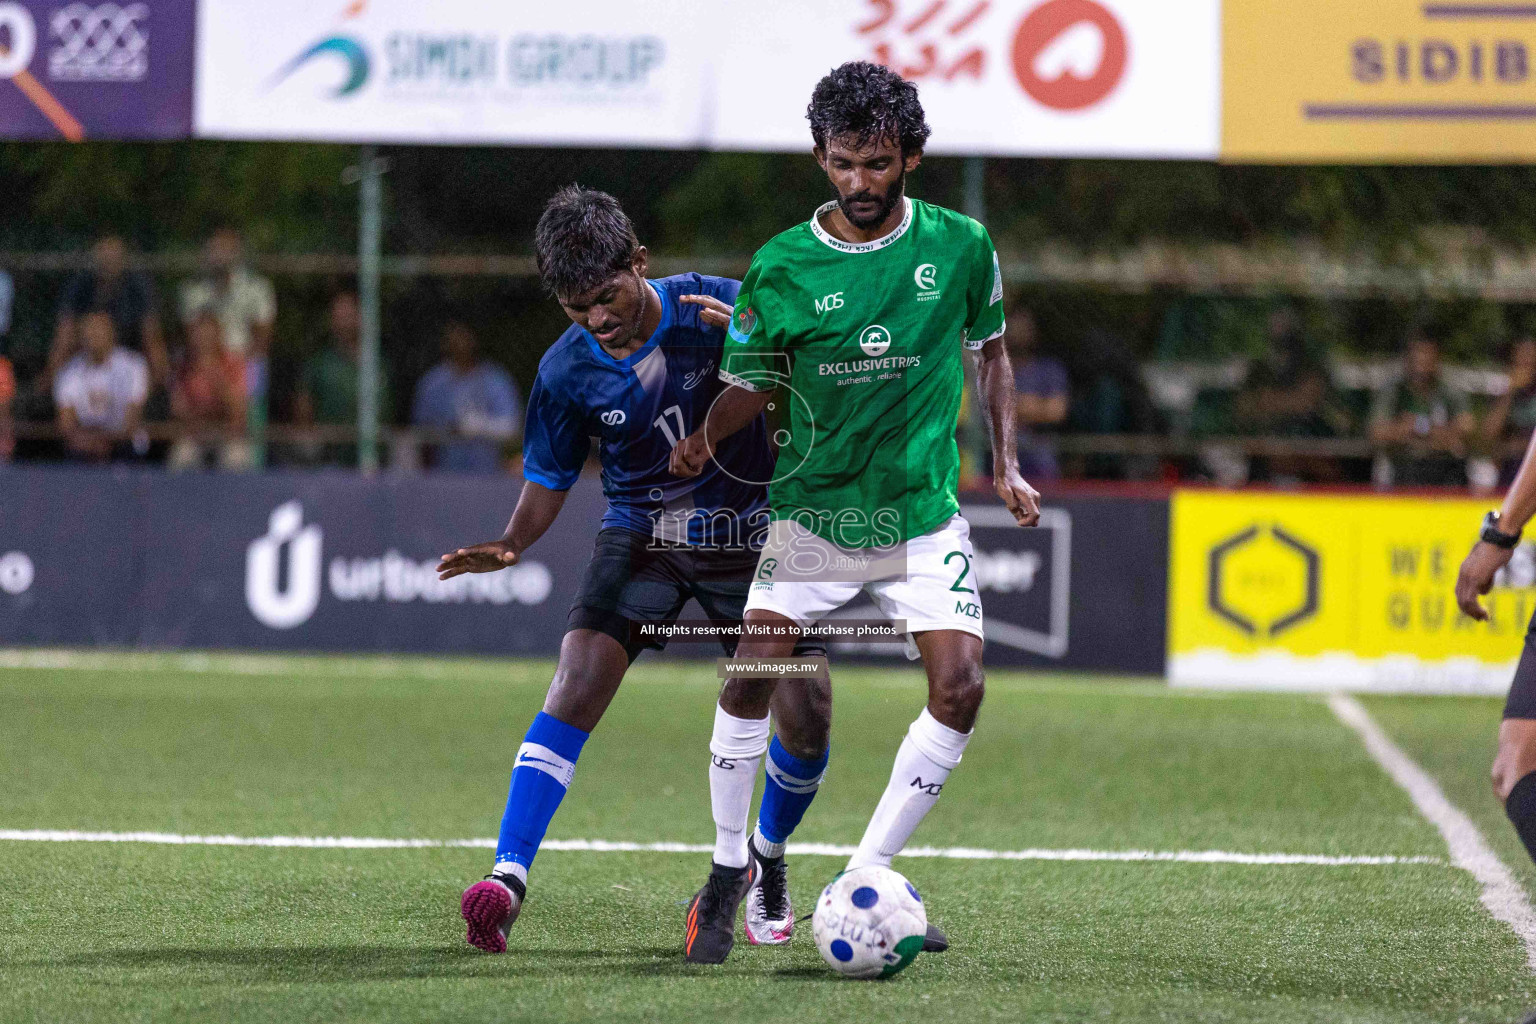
545,764
792,784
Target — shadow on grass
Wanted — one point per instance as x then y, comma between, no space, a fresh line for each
364,963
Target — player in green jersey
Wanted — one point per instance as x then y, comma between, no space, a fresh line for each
851,327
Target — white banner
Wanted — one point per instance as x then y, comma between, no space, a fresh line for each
1018,77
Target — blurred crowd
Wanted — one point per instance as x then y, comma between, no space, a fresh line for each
1404,421
186,381
115,367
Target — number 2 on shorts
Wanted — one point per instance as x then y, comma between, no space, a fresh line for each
965,569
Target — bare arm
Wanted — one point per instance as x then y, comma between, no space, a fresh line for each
994,384
1485,560
733,410
1493,424
154,349
63,346
537,508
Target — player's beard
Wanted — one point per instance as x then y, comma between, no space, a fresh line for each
887,203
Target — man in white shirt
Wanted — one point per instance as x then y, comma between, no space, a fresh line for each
100,394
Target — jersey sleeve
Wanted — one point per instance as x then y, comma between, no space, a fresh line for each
754,356
984,296
555,441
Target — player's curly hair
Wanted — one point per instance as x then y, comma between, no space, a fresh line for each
583,238
866,103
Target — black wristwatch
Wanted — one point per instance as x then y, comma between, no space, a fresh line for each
1493,535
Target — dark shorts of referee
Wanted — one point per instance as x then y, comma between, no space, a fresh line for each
1521,702
633,579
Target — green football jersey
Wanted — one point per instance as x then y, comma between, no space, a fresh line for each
864,339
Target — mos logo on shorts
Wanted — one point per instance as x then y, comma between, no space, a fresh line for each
874,340
765,571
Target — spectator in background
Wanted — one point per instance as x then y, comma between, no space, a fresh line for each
7,372
1289,393
246,307
1423,421
208,398
7,396
7,302
328,385
125,295
472,397
1043,395
1512,417
100,394
1110,397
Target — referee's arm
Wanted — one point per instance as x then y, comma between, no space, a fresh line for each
1497,542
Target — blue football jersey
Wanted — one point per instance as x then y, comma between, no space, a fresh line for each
638,408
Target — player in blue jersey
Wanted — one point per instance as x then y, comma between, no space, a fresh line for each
638,370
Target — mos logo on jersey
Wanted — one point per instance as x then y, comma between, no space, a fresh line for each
926,277
613,417
874,340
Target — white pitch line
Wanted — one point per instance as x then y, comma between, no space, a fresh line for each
1502,895
613,846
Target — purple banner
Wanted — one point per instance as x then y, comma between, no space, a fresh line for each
86,70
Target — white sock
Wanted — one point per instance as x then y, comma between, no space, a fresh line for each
512,867
928,753
736,750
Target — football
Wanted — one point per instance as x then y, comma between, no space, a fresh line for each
869,923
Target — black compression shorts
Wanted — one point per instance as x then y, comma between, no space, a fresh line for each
632,580
1521,702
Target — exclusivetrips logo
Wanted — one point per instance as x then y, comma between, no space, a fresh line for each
874,340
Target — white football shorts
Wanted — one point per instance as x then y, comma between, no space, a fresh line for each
936,591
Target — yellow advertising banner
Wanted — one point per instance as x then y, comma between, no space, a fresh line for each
1378,80
1329,592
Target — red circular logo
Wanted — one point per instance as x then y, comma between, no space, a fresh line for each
1065,88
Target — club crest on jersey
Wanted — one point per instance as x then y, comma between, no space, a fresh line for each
743,324
926,277
874,340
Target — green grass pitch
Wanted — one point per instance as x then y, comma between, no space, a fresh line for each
421,748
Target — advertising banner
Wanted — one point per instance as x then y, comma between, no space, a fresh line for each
278,561
1005,77
96,70
1089,77
1378,80
1085,590
338,562
1327,592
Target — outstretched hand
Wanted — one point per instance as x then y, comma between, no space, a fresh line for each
487,557
711,310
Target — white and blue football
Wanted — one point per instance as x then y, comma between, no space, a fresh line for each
869,923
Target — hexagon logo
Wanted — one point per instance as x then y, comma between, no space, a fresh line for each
1264,581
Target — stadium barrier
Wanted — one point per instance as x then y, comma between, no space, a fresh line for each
1246,589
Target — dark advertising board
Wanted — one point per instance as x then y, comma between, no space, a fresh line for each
339,562
1087,589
